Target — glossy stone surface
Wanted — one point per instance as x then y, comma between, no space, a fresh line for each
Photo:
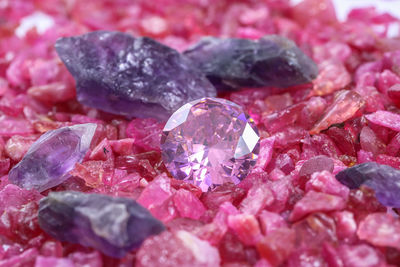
133,77
383,179
112,225
50,159
269,61
208,142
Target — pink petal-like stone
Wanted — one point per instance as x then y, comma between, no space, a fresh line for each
326,182
373,99
346,225
345,106
352,256
53,261
277,246
386,119
257,198
52,93
156,192
246,228
266,149
332,76
188,205
380,229
314,202
209,142
386,80
270,221
370,142
17,146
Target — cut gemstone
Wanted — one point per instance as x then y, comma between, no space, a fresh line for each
50,159
210,141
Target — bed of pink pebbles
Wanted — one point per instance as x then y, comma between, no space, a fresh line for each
289,211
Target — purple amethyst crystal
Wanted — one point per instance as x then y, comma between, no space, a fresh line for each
383,179
270,61
133,77
112,225
50,159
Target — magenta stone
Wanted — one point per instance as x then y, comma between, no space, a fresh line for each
210,141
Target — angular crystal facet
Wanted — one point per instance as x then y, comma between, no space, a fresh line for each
50,159
210,141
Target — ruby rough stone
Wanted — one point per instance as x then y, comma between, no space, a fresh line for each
50,159
133,77
210,141
112,225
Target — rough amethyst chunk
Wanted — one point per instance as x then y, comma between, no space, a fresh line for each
270,61
383,179
50,159
112,225
133,77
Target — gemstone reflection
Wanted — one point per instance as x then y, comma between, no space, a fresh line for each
210,141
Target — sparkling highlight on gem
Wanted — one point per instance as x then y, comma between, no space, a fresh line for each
209,142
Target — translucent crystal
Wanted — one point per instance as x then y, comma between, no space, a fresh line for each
210,141
50,159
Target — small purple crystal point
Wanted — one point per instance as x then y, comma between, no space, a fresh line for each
270,61
112,225
210,141
383,179
129,76
50,159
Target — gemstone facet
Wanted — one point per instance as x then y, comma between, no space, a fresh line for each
129,76
112,225
210,141
50,159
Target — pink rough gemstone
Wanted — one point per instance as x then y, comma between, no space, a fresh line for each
188,205
345,106
380,229
209,142
314,202
386,119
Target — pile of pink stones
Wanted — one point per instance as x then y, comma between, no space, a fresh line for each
290,210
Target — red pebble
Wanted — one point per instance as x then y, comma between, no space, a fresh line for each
277,246
314,202
344,107
380,229
188,205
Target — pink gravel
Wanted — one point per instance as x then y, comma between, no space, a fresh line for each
290,211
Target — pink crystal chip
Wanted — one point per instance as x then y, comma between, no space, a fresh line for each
210,141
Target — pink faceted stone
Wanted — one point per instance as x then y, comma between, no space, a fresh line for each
209,142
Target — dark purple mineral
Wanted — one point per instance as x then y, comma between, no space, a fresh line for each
50,159
383,179
133,77
270,61
112,225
